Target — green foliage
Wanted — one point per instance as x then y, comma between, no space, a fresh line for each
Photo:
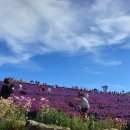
53,116
11,111
78,124
5,125
12,125
92,123
103,124
12,117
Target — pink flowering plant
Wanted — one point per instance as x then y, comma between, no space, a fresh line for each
30,103
11,116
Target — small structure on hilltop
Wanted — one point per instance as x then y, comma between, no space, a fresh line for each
105,88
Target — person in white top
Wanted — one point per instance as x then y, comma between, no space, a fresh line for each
84,106
20,87
49,90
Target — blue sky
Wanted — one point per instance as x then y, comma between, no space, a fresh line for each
83,43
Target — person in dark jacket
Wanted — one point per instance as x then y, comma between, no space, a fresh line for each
6,89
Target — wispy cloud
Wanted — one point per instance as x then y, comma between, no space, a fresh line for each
108,62
37,27
91,71
13,59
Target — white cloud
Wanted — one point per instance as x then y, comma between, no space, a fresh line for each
108,62
91,71
41,26
14,59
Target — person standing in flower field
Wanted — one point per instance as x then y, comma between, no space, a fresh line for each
6,89
49,90
84,106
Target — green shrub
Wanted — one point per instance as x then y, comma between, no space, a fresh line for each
104,124
12,125
12,117
11,111
78,124
54,116
5,125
